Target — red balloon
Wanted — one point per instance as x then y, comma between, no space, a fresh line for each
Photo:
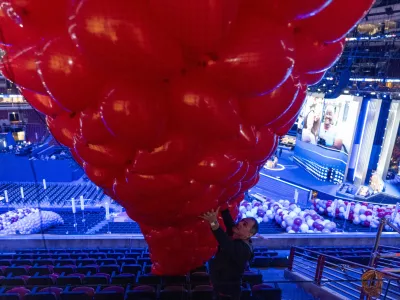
237,200
311,79
215,167
285,128
287,10
42,103
19,66
348,12
230,193
178,149
76,157
204,203
190,243
246,185
251,172
266,141
42,16
104,155
66,75
239,175
103,177
291,112
130,39
315,57
92,127
136,112
196,100
245,62
198,25
264,109
155,185
64,128
14,34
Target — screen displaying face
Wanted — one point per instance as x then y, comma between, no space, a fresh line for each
329,123
325,131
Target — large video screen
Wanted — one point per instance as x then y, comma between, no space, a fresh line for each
325,135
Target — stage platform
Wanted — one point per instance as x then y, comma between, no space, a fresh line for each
282,241
292,173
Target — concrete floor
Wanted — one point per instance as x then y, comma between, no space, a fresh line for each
290,291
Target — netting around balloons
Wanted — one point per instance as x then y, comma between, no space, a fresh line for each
172,106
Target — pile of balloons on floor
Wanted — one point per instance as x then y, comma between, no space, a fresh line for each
359,213
288,215
28,221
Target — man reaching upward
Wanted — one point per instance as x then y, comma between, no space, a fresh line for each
234,252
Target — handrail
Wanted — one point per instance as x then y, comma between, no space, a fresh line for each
346,261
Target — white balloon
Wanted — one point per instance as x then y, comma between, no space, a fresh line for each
363,217
304,228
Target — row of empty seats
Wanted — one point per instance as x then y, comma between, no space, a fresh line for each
56,194
122,273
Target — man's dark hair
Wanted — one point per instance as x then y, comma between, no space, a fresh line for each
255,228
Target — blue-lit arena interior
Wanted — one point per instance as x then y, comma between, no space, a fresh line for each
327,202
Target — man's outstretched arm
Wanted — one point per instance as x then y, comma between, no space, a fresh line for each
228,220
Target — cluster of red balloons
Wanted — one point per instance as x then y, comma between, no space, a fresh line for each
172,106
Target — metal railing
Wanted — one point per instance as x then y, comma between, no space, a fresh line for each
340,276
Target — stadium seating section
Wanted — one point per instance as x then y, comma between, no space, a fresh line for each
109,273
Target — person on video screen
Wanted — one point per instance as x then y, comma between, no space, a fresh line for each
310,128
328,135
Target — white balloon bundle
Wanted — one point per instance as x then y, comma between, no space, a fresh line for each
13,216
288,215
360,213
33,222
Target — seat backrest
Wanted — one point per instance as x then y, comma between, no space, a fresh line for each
52,290
12,281
41,280
203,292
123,279
64,280
174,292
22,291
41,296
97,279
149,279
109,269
107,295
12,296
84,289
131,268
75,296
